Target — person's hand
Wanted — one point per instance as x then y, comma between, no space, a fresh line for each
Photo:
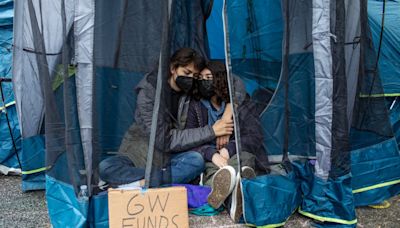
223,127
224,153
218,160
222,141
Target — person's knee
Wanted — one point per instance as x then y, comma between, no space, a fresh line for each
197,160
109,164
104,169
104,165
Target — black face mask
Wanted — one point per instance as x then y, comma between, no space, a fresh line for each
206,88
185,83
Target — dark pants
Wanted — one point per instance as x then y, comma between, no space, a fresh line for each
119,169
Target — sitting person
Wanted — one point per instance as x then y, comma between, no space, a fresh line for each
185,163
221,163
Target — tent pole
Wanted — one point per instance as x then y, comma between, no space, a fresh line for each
231,87
285,74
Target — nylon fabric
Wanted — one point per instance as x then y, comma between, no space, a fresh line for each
270,199
374,156
33,158
311,88
329,200
8,159
370,169
376,195
64,207
352,52
389,67
7,152
84,44
323,86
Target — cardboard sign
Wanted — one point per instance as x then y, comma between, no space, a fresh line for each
153,208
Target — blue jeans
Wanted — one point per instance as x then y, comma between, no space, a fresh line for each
119,169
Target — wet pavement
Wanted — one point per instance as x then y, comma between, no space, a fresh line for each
29,209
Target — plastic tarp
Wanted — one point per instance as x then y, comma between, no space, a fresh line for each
8,158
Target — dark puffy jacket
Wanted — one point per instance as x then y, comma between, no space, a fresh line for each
178,139
181,139
251,133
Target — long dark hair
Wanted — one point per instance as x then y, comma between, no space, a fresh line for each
220,81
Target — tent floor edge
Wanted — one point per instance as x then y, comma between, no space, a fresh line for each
327,219
376,195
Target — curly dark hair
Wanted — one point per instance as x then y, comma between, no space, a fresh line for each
220,81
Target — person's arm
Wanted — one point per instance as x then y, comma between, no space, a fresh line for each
227,116
207,151
193,135
144,109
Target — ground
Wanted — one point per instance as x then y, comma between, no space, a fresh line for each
29,209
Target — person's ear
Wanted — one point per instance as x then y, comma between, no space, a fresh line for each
172,69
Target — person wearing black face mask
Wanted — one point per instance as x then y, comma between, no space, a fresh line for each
186,164
212,99
206,88
185,83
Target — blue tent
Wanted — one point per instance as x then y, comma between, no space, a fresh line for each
374,157
389,52
308,65
8,158
30,150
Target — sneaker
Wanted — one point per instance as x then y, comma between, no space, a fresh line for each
236,209
103,186
248,172
222,185
132,186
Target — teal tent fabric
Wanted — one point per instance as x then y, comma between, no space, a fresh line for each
375,171
33,163
30,150
256,53
65,208
269,200
8,157
117,114
329,200
395,118
389,65
215,30
302,105
7,152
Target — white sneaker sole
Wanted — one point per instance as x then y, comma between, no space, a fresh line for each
237,209
222,185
